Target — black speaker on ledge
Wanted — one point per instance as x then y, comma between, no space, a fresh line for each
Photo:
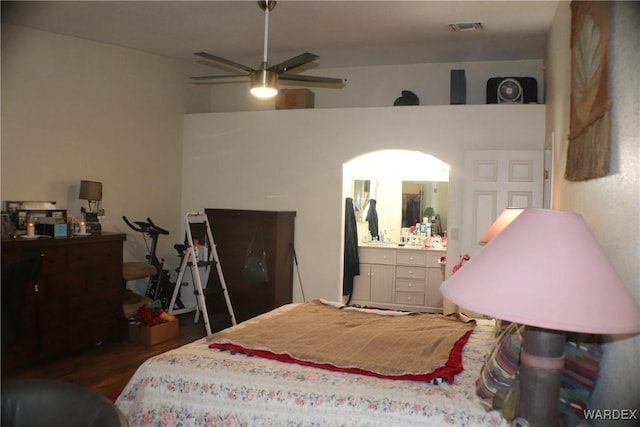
512,90
458,90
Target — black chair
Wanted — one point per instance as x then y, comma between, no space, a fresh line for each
21,273
34,403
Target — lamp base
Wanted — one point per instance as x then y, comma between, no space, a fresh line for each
542,361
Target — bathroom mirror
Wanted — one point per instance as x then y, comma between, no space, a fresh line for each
425,199
363,191
380,175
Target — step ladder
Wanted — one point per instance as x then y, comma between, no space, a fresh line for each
205,258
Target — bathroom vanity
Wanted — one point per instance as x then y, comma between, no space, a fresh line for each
399,277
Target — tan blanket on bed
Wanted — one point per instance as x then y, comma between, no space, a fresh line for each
320,333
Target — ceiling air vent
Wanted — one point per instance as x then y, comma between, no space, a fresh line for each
465,26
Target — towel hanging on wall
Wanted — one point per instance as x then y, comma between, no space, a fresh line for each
351,259
372,219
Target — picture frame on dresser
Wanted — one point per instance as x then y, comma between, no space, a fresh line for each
21,212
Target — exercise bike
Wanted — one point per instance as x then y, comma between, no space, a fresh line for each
160,286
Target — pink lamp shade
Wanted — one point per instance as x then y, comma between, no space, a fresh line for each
546,270
505,218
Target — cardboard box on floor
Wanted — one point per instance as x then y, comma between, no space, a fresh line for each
153,335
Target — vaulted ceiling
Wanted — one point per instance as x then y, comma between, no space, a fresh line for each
343,33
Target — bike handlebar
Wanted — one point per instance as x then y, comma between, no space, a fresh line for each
158,229
145,227
138,229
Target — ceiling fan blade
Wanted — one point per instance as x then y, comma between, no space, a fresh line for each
226,78
312,79
296,61
223,61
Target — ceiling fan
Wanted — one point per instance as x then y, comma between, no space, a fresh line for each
264,80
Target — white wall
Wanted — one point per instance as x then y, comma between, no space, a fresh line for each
293,159
609,205
379,86
74,109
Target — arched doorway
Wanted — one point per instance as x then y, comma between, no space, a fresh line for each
386,176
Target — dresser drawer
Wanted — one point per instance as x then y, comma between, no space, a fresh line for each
411,258
409,285
377,256
54,260
409,298
99,255
418,273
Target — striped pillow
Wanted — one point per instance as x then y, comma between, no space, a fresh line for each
502,364
581,362
578,379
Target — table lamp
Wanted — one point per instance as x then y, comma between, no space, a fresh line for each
505,218
546,271
92,192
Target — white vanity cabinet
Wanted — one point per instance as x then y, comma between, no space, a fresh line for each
377,272
399,278
433,297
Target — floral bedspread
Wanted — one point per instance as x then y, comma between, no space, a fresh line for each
197,386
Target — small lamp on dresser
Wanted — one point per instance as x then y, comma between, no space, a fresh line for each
546,271
92,192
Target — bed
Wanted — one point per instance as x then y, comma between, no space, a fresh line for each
238,385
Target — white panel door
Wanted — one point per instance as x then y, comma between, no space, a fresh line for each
493,181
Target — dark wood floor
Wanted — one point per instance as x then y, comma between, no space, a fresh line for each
108,367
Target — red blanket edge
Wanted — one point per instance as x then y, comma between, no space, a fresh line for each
447,372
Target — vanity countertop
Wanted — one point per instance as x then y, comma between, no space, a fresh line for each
399,246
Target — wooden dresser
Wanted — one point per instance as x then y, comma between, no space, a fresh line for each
233,231
76,301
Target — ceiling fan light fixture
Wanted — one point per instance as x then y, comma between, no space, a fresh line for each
263,83
264,80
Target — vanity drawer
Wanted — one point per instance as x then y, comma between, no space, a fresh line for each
418,273
376,256
408,285
409,298
411,258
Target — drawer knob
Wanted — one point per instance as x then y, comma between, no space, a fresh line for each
408,298
410,284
